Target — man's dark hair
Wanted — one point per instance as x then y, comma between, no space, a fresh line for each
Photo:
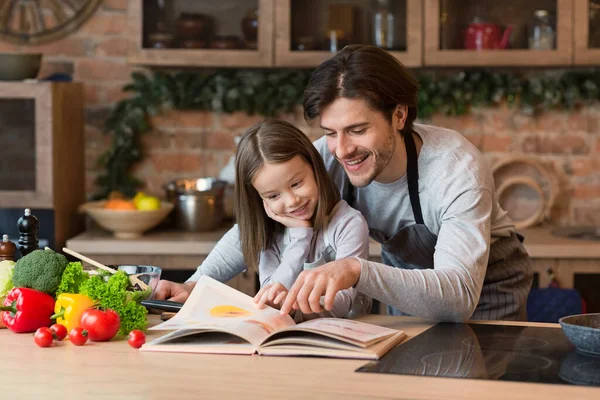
362,72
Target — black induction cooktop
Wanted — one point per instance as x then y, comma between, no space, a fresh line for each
505,353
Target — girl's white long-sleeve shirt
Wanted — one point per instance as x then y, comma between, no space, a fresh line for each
347,232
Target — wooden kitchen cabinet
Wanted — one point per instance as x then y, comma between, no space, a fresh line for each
42,162
470,33
201,33
587,32
304,33
308,32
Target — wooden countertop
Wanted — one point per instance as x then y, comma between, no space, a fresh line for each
115,370
539,242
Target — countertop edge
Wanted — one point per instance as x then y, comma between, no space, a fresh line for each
539,243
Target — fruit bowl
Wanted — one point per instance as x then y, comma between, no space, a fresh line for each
126,224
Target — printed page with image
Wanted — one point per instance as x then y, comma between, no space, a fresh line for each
219,319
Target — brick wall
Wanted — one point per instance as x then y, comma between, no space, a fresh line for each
189,144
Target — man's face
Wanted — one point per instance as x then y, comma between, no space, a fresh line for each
361,139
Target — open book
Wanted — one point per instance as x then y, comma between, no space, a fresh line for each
219,319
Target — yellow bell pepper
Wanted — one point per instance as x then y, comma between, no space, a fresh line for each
69,307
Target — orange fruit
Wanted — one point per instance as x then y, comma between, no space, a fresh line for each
119,204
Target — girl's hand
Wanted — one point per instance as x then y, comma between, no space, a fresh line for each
272,295
326,281
288,222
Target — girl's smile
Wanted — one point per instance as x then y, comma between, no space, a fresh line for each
289,188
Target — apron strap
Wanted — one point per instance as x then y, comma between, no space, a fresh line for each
348,195
412,172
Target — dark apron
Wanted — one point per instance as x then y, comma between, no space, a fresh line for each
509,274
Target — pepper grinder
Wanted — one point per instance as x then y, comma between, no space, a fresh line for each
28,226
7,249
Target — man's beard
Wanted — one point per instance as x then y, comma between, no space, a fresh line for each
382,157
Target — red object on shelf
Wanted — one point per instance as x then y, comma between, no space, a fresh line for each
486,36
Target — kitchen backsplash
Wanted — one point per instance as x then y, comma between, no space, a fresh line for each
187,144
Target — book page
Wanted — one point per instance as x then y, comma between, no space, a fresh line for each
215,306
324,347
187,341
355,332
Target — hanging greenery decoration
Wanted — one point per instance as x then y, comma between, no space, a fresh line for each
271,92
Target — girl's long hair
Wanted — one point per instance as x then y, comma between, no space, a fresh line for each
273,141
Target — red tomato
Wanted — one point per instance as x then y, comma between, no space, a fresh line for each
43,337
100,325
136,338
78,336
59,331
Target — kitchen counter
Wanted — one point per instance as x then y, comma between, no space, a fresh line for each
115,370
539,242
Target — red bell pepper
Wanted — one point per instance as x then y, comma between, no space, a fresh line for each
26,310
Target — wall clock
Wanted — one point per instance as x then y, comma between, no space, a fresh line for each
42,21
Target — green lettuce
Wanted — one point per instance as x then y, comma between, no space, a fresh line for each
6,283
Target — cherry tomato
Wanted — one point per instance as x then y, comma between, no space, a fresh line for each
60,331
136,338
43,337
78,336
101,325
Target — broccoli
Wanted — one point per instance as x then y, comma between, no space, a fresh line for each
40,270
72,278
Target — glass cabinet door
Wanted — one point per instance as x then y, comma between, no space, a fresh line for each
487,32
26,140
308,32
587,32
17,138
233,33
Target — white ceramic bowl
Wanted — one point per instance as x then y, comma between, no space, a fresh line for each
126,224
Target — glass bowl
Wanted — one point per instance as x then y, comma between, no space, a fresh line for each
148,274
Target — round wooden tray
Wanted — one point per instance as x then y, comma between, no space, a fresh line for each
537,214
538,178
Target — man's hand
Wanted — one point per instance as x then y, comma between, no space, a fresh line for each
326,281
167,290
288,222
272,295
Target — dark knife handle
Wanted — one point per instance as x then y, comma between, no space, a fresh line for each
163,305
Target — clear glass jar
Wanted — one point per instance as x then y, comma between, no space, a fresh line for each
542,34
384,25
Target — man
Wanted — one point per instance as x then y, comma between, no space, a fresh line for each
449,252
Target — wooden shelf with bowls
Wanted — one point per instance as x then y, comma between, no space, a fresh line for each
223,33
304,33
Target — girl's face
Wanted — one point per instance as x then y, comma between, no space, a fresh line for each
289,188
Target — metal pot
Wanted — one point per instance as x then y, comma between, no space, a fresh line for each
198,203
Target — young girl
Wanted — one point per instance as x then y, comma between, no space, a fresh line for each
289,218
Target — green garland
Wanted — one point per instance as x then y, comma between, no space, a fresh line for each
263,92
270,92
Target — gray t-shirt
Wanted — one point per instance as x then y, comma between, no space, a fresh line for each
459,205
347,233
